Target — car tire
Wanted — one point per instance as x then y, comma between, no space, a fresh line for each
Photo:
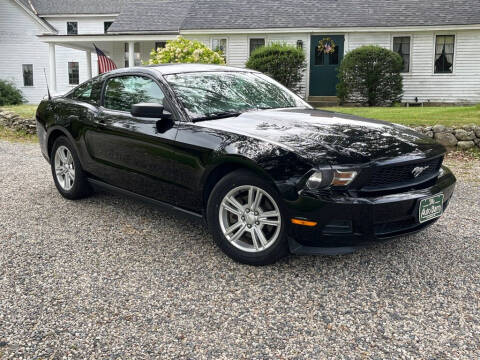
263,240
68,175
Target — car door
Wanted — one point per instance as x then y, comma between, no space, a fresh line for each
134,153
77,110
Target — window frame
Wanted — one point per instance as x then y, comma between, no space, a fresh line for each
163,87
250,38
454,64
225,54
76,24
411,49
23,75
68,72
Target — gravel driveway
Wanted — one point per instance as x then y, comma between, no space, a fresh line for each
111,277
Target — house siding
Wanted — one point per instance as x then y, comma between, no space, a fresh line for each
18,40
86,25
462,86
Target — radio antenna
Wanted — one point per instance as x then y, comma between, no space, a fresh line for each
46,80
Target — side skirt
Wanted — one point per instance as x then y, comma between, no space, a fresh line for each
101,185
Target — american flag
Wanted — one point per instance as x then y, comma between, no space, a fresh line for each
105,64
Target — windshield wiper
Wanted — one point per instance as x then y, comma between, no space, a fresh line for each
219,115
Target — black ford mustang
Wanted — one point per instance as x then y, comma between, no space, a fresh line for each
266,172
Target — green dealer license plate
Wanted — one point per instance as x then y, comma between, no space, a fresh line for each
430,208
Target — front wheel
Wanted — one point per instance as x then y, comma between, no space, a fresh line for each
67,171
246,219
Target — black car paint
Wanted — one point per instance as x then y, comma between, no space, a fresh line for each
173,161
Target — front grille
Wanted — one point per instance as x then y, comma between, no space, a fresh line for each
402,174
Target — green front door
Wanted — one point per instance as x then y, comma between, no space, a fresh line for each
324,67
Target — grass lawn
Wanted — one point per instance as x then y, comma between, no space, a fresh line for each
26,111
414,116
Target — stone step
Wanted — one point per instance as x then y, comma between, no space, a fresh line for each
323,98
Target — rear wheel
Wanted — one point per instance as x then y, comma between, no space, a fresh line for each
245,218
67,172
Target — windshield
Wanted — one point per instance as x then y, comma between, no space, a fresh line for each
207,95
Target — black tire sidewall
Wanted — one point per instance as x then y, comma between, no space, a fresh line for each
229,182
80,185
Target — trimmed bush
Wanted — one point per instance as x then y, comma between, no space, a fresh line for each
182,50
9,94
370,75
284,63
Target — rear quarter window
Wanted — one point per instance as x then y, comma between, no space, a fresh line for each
88,92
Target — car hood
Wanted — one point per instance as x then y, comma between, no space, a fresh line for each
324,137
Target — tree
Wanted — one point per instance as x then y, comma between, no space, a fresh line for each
182,50
370,75
284,63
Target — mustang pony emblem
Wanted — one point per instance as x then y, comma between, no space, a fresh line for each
419,170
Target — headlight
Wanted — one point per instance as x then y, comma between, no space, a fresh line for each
324,178
315,181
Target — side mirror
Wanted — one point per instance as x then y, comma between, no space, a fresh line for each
149,110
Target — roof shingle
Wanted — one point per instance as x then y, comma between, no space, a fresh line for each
147,16
170,15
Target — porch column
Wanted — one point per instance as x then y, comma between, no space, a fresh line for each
52,68
131,54
88,53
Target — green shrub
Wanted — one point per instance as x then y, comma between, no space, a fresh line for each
182,50
370,75
9,94
284,63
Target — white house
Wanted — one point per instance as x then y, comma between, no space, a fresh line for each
439,39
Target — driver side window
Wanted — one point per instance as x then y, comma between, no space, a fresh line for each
124,91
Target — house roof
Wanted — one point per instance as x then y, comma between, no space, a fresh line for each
150,16
175,15
80,7
261,14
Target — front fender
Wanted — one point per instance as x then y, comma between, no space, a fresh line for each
283,167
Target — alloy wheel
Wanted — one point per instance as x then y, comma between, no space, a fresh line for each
64,168
250,218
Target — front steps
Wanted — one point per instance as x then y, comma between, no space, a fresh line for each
323,101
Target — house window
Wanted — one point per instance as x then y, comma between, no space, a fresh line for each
27,74
106,25
401,45
136,56
73,74
72,28
160,45
220,45
444,52
256,43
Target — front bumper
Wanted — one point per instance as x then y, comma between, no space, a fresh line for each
345,223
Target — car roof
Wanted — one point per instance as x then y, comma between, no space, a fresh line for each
167,69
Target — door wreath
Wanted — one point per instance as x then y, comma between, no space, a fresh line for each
327,46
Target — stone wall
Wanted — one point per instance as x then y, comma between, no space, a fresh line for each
16,122
454,138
